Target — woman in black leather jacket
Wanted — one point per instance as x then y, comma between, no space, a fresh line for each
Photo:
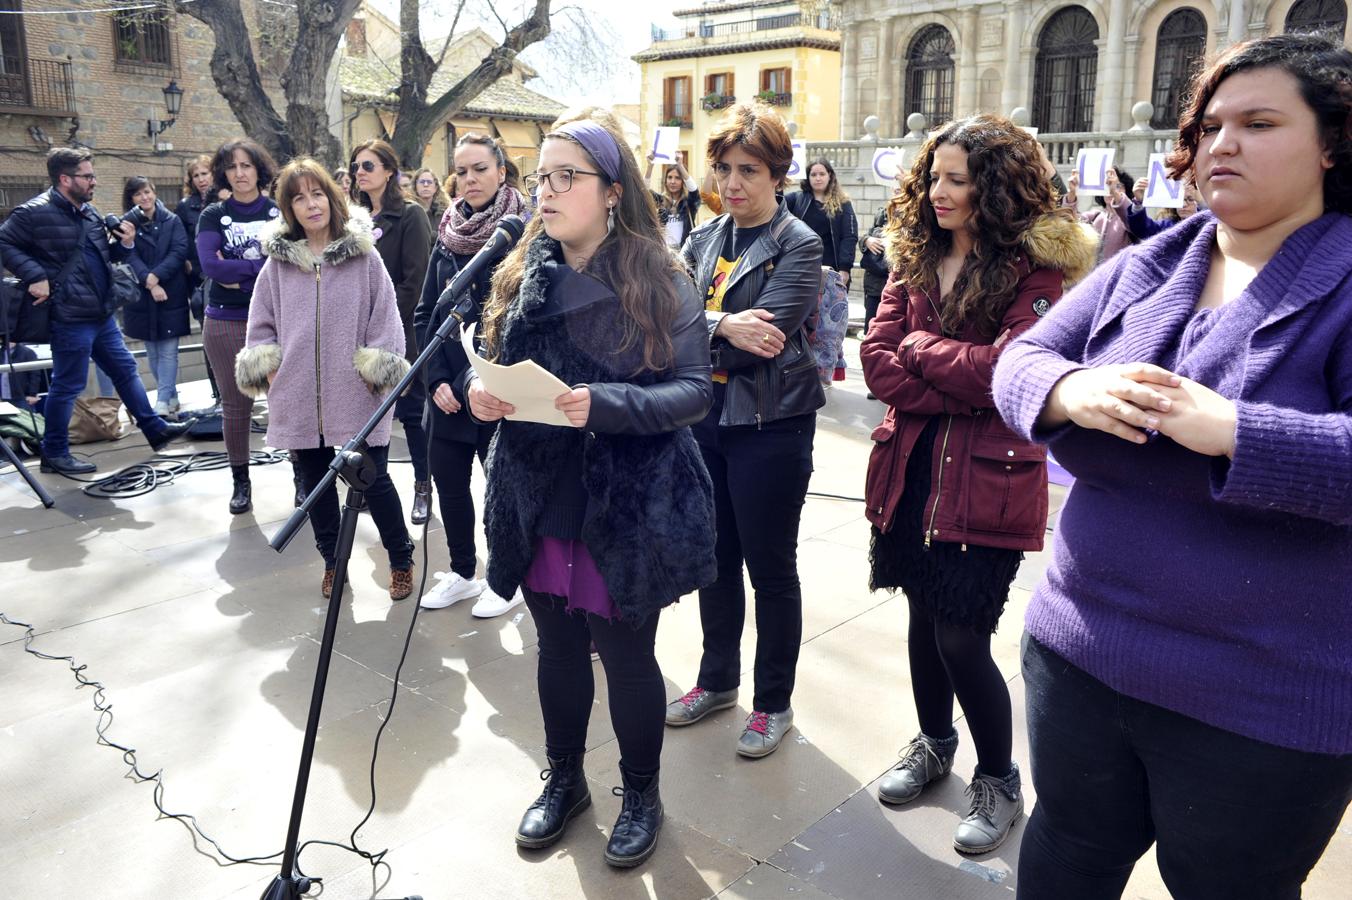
481,171
604,516
759,271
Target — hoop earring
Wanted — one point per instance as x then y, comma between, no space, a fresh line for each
610,219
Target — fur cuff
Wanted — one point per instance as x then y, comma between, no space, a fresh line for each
253,365
380,369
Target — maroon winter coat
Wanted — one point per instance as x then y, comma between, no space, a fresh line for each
989,485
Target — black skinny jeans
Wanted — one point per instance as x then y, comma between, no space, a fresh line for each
408,409
638,695
382,499
760,482
1233,818
452,464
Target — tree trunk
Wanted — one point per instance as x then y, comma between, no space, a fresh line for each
417,120
322,24
236,75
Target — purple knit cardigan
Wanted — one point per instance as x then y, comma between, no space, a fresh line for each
1219,589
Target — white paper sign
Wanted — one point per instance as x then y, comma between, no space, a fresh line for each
887,162
1092,165
1161,190
665,140
1028,129
525,385
798,169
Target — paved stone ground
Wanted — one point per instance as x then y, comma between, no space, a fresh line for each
206,641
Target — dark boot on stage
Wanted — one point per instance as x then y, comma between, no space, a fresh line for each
422,502
634,836
564,797
241,501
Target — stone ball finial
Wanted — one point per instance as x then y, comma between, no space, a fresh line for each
871,126
793,128
917,124
1020,115
1141,114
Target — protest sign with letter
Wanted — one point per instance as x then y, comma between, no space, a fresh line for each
1161,190
665,140
887,162
1092,166
798,169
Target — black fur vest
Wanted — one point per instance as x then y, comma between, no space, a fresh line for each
650,513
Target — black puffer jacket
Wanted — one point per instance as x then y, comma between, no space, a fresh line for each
648,499
875,265
780,272
189,210
161,247
40,237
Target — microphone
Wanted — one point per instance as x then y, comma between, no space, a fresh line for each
505,236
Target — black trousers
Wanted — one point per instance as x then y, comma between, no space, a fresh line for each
760,482
1233,818
638,696
382,499
452,465
408,409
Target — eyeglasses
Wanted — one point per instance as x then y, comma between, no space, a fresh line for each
560,181
88,176
365,165
422,181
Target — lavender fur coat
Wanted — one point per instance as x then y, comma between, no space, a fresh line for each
329,330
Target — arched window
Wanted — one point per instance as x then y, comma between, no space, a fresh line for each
1323,16
1067,64
929,76
1180,43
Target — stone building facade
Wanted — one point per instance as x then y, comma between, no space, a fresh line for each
1077,67
96,78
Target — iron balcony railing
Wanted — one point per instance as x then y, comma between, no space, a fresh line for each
36,86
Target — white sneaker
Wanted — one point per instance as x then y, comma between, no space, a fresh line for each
451,588
490,604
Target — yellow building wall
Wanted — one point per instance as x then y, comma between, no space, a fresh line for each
815,84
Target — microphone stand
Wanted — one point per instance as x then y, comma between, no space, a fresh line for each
359,473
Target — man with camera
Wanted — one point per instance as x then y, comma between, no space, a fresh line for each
59,247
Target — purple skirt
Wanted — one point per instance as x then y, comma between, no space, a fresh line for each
565,569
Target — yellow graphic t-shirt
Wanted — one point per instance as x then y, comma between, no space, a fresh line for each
713,302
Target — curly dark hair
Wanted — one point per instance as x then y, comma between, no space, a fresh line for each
1009,193
1323,70
261,159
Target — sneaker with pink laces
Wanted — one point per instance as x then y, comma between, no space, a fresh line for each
763,733
697,704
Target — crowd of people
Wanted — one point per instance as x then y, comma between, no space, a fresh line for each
1193,374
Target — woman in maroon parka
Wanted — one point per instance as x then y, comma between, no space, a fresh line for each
978,251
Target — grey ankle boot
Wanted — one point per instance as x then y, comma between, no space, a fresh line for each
996,803
924,760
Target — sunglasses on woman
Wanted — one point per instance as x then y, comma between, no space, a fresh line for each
365,165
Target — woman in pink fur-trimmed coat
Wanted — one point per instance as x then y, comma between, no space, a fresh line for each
325,344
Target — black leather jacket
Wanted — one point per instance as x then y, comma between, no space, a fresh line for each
781,272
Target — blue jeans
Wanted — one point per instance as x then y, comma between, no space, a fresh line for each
163,358
73,346
1232,818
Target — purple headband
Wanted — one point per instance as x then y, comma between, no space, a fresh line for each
598,142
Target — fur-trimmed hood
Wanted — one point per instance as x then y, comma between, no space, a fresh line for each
1053,241
356,241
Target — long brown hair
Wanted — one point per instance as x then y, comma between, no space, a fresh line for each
836,198
1009,194
393,197
633,261
288,186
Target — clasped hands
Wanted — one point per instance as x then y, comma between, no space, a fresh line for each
575,404
1126,400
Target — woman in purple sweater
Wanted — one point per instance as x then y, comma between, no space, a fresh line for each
1188,661
229,250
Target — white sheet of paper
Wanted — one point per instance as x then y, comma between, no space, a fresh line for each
665,141
1161,190
798,169
525,385
9,409
887,161
1092,165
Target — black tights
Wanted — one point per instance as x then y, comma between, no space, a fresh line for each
638,695
947,660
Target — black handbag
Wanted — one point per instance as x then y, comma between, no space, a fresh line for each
197,301
123,288
24,321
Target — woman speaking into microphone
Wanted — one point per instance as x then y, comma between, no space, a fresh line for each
485,198
610,520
